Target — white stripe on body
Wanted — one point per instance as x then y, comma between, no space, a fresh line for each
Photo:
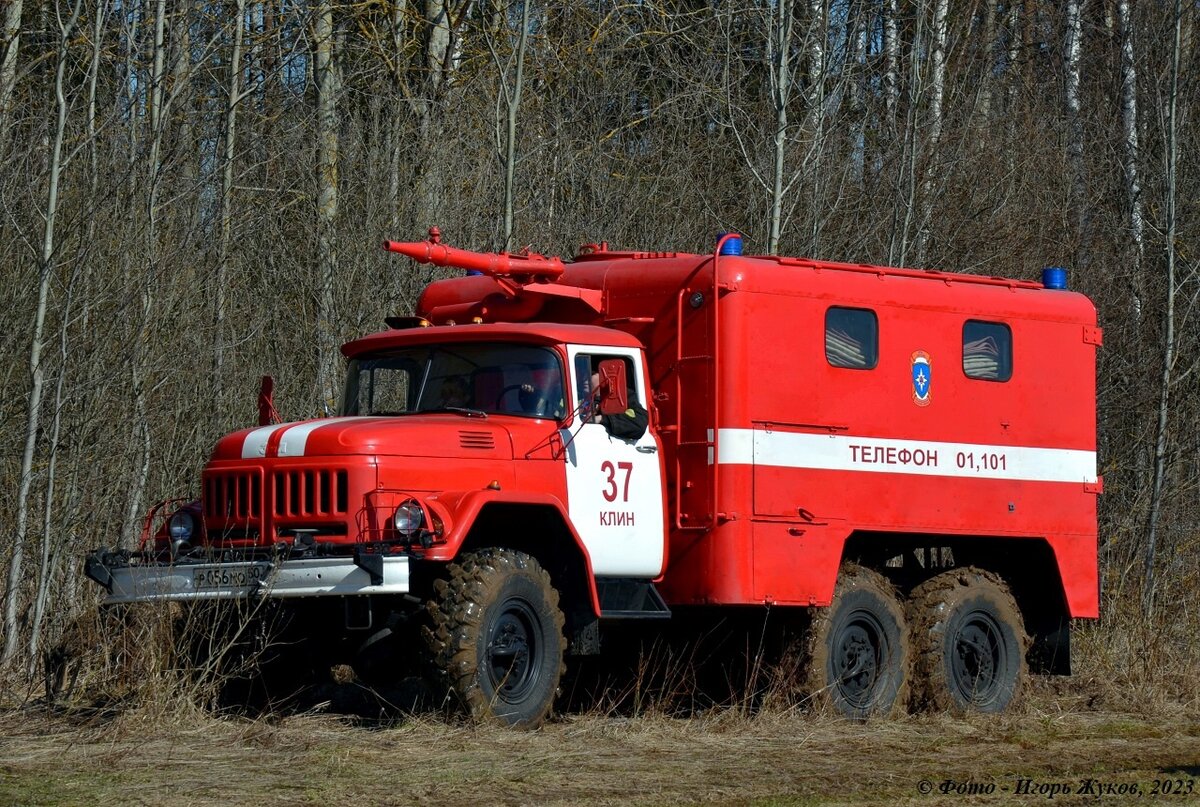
840,452
255,445
296,438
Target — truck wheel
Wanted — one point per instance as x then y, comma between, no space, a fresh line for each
497,636
858,647
970,642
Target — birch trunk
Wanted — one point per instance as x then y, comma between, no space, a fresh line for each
1132,159
49,557
891,60
10,44
1164,392
858,146
12,596
437,21
181,76
1073,56
984,112
101,12
779,45
226,232
937,89
139,435
327,204
437,50
1013,78
513,105
816,117
907,181
396,163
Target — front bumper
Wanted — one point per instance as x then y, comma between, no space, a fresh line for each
129,579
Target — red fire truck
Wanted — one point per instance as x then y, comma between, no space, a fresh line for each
908,455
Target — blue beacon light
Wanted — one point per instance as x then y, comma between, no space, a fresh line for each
1054,277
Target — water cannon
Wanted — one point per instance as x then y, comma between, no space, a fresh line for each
517,268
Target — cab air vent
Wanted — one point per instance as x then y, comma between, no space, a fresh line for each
476,439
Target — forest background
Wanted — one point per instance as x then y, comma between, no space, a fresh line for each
192,194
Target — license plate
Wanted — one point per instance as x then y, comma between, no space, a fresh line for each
229,577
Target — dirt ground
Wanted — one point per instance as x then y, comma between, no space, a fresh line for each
1037,755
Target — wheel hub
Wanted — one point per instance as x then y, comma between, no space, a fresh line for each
858,660
979,656
511,651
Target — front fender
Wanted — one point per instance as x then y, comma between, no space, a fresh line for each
460,510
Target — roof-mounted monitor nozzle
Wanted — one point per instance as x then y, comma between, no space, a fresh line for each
519,268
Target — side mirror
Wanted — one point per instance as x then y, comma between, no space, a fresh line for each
614,394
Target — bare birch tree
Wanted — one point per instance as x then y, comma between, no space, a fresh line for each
818,29
859,94
50,551
327,203
399,90
937,92
509,98
225,235
781,19
139,437
983,112
1013,82
1132,159
905,208
37,372
442,20
10,45
1162,435
891,59
1073,56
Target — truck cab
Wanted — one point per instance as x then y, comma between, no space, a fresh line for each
448,440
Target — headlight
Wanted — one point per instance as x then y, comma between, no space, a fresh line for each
181,526
409,517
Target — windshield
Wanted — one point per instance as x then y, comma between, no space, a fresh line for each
473,378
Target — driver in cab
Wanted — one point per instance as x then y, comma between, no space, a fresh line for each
627,425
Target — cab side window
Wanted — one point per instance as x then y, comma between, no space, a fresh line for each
583,381
587,365
631,424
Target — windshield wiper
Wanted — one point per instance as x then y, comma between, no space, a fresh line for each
462,410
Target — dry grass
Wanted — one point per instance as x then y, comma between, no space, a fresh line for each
723,757
136,733
1095,724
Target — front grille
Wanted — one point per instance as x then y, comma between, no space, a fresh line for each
314,492
233,495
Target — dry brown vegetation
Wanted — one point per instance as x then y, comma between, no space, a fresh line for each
132,732
724,756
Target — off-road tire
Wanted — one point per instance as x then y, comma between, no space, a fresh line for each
969,641
496,636
858,651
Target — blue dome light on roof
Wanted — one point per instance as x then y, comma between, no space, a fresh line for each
1054,277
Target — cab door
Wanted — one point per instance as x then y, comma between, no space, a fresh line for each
614,486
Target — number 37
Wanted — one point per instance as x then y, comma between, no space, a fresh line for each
610,492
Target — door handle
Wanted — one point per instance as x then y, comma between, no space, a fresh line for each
647,449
